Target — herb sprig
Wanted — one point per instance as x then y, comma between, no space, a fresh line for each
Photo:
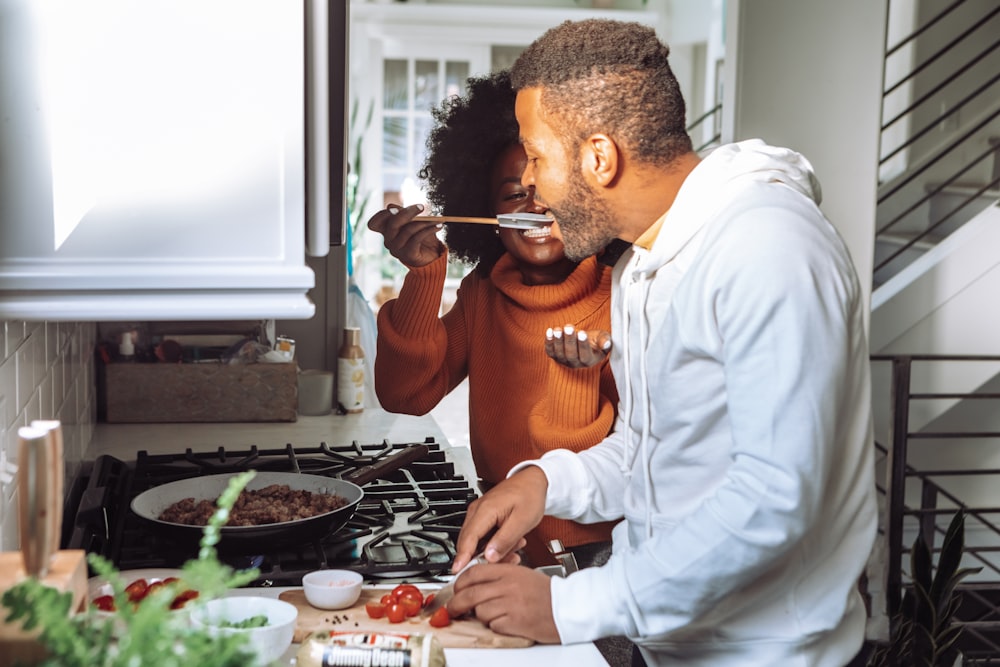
149,634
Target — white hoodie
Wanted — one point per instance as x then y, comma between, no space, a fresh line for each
742,455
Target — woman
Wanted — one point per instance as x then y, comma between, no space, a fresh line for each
521,402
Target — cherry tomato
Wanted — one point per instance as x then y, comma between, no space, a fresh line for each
182,598
104,603
375,609
137,590
395,613
440,618
388,599
429,599
412,595
169,580
410,605
402,588
153,587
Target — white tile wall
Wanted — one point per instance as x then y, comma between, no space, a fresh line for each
46,372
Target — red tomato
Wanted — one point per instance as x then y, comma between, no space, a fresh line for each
415,595
440,618
410,605
153,587
428,599
169,580
388,599
395,613
137,590
375,609
104,603
402,588
182,598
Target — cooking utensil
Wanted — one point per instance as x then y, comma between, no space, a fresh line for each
149,504
447,592
40,494
507,220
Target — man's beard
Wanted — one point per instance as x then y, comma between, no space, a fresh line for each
585,221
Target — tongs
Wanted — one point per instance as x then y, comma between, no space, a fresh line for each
506,220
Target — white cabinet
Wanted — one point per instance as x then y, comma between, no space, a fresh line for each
152,162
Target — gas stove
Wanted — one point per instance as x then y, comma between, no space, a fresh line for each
403,529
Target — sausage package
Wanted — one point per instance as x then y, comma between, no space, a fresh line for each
370,649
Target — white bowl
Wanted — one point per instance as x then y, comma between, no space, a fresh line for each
268,642
332,589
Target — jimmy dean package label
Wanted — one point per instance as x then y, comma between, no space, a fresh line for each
370,649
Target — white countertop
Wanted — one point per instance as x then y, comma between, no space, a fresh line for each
124,440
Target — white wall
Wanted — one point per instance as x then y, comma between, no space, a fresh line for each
806,74
46,372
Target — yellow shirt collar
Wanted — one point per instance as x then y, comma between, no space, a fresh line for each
648,237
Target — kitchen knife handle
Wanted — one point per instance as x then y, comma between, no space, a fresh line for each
362,476
40,491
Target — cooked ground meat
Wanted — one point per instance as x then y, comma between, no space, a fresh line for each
272,504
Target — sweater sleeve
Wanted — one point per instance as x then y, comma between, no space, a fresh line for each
577,411
421,357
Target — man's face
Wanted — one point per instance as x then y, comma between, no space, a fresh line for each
583,219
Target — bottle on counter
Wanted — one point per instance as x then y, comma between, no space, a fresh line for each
351,372
126,347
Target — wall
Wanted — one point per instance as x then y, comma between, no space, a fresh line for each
46,372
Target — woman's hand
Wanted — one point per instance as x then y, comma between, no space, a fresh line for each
407,238
577,349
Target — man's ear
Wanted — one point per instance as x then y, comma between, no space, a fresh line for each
600,159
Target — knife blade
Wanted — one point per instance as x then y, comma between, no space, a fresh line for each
446,592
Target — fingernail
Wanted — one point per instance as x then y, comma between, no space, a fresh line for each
557,334
581,336
420,207
607,345
568,329
548,333
392,209
491,554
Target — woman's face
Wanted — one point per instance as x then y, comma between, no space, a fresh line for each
534,247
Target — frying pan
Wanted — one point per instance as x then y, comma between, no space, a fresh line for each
149,504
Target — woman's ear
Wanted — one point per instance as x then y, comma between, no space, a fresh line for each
600,159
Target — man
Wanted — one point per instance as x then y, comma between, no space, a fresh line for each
741,458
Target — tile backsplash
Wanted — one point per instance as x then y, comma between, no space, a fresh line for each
46,372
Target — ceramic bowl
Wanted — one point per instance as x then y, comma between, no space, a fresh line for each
267,642
332,589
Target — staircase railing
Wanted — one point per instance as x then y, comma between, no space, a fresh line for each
930,473
943,75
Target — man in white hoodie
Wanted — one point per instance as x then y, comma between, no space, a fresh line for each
741,459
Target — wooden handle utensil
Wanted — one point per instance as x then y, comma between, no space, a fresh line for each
40,494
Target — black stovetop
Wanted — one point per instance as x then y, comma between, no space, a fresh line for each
404,527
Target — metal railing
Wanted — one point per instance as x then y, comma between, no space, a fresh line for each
944,133
931,471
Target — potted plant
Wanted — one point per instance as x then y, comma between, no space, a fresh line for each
924,632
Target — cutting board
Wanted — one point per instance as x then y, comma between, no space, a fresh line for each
462,633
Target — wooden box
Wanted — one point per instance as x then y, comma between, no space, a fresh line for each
67,572
136,392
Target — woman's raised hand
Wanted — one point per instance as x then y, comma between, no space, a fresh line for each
407,238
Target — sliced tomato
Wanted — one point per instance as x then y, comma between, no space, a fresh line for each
183,598
388,599
153,587
375,609
395,613
104,603
440,618
427,600
137,590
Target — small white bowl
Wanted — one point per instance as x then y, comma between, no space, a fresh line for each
332,589
268,642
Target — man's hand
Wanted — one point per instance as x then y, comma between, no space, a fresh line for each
509,599
513,507
577,349
407,238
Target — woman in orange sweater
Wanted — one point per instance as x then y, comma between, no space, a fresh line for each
521,402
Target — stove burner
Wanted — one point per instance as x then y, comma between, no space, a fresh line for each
405,525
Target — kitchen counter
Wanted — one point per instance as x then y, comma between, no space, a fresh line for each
575,655
124,440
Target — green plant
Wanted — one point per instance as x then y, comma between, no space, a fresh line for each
149,634
924,632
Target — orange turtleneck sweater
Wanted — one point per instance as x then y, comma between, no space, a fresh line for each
521,402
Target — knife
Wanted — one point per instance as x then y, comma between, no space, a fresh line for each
446,592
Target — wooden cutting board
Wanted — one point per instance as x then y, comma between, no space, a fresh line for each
462,633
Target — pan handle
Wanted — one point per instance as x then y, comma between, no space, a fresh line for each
362,476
